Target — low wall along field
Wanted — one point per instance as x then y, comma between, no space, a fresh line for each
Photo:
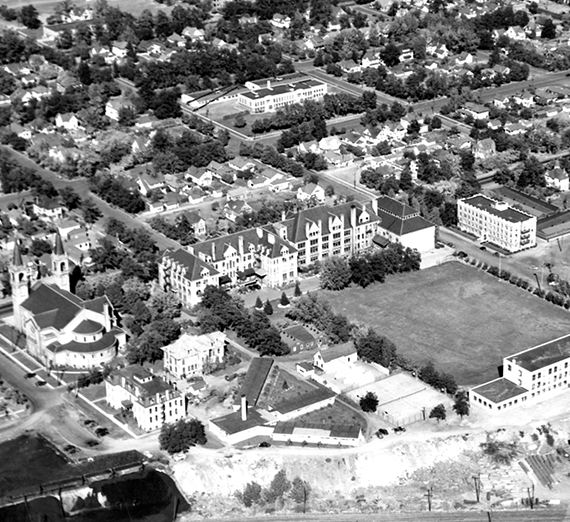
457,316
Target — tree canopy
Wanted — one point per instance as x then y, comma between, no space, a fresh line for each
182,435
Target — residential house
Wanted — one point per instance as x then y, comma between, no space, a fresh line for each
525,99
370,59
557,177
308,146
240,163
496,222
464,58
233,209
150,180
45,207
201,176
349,66
198,223
186,275
273,258
60,328
476,110
299,337
331,143
515,129
20,131
328,357
119,49
140,145
68,121
194,34
484,149
114,106
152,401
176,40
190,354
311,191
280,21
280,185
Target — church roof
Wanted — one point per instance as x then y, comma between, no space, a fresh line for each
58,249
17,255
52,306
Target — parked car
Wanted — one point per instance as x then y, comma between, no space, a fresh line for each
482,248
29,375
40,383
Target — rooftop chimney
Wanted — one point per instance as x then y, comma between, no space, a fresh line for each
213,251
269,84
243,408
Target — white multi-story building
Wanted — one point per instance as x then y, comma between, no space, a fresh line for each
496,222
529,376
188,355
186,275
270,98
257,253
152,401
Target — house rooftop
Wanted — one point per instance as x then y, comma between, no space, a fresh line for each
299,333
193,266
281,89
499,390
543,355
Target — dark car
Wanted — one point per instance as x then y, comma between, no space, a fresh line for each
264,445
29,375
462,254
496,254
40,383
482,248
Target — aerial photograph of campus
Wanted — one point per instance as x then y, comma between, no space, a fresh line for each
284,260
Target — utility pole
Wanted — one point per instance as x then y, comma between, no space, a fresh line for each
489,516
531,497
429,496
477,483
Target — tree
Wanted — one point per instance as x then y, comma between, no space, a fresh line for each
29,17
369,402
39,247
461,406
258,303
329,191
391,54
375,348
548,29
70,198
297,292
251,494
284,301
91,213
335,273
239,121
300,492
279,486
438,413
182,435
267,308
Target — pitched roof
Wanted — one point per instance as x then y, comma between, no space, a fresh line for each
193,266
58,250
17,255
335,352
260,240
297,229
52,306
399,218
254,380
304,400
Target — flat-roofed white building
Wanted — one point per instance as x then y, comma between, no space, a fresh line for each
270,98
532,375
496,222
189,354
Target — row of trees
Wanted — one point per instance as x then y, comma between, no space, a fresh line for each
115,192
317,112
270,156
277,492
181,230
336,273
218,310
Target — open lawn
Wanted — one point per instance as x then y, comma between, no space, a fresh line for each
460,318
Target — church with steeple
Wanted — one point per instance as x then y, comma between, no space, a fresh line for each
61,329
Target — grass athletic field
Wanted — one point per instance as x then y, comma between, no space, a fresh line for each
460,318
